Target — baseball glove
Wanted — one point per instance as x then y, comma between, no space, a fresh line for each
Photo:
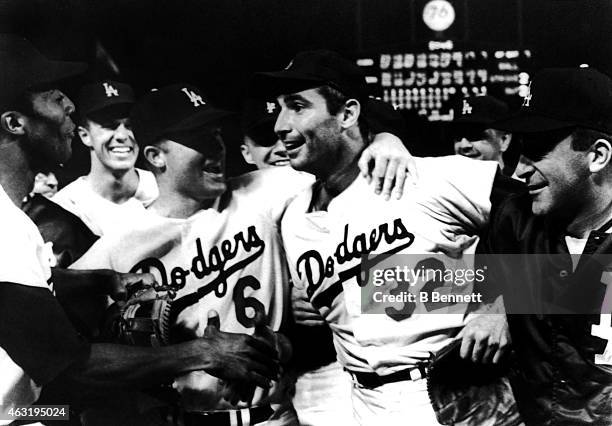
144,319
464,393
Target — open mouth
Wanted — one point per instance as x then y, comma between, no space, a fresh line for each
293,145
284,162
214,170
536,188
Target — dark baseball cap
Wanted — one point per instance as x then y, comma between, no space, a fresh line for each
562,98
258,119
259,111
484,110
23,67
177,112
104,96
313,69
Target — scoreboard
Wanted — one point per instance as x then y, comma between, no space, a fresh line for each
429,82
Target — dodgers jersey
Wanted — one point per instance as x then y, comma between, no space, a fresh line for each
228,258
101,215
441,214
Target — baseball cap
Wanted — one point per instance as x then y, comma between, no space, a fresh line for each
313,69
23,67
258,118
104,96
178,111
484,110
564,97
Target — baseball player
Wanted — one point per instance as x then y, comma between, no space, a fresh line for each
564,367
474,133
329,228
114,192
322,388
41,349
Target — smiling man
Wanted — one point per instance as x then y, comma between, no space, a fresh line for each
260,146
564,374
114,191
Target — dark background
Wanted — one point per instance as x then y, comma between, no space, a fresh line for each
218,44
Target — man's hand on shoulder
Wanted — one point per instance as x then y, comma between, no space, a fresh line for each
387,162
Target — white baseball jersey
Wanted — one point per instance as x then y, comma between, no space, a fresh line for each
102,215
325,248
229,258
25,261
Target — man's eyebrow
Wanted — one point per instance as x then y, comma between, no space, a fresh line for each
295,97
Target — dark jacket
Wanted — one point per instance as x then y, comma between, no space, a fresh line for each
556,380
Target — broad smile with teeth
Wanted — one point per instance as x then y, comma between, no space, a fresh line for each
121,149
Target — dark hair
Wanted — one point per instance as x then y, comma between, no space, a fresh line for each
23,103
583,138
335,100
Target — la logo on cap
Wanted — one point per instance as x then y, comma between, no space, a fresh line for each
110,90
527,99
467,108
195,99
270,107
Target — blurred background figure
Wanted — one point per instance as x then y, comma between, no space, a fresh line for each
474,134
45,183
260,146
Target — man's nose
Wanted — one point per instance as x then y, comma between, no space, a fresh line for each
68,105
123,132
281,126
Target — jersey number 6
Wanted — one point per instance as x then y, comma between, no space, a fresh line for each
242,302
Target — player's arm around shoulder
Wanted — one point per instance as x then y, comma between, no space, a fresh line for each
388,165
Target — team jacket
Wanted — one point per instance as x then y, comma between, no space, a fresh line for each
563,372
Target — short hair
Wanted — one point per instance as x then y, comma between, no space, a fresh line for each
583,138
335,100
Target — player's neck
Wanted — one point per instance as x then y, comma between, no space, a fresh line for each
16,174
331,186
117,186
591,218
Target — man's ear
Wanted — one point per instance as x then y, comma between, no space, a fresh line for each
350,113
155,156
13,122
599,155
505,140
85,136
246,153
